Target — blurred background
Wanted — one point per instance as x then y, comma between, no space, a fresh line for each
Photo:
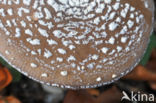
16,88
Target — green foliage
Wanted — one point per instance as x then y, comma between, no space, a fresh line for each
151,45
15,74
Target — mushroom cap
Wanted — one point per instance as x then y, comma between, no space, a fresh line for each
75,43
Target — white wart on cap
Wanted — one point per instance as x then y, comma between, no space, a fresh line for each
74,43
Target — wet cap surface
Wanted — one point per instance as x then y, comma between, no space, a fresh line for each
74,44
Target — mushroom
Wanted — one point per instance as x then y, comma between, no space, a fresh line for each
75,43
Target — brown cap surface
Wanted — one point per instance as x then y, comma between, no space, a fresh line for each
74,43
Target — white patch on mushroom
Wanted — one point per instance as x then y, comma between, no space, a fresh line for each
58,33
43,32
124,12
52,42
118,19
10,11
44,75
61,51
47,54
7,52
116,6
132,15
119,48
18,33
48,14
14,22
95,57
22,10
29,32
2,13
59,59
23,24
97,20
47,24
71,58
146,4
64,73
130,24
83,67
33,65
90,65
108,1
38,15
124,39
132,8
114,75
33,41
112,15
39,51
27,2
113,26
71,47
33,53
9,23
104,50
98,79
52,62
111,40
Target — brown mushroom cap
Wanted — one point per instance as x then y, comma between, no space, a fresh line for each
74,43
